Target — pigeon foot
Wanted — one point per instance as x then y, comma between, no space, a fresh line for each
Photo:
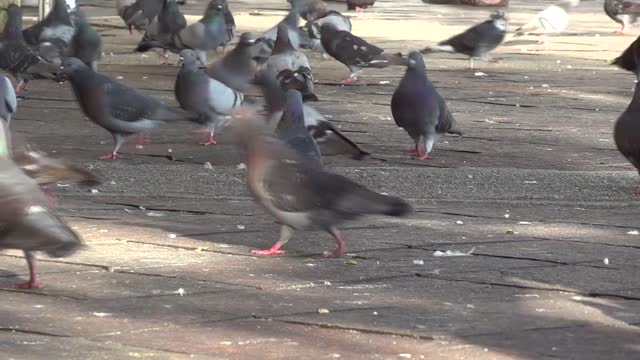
426,156
21,87
333,253
210,141
271,251
31,284
111,156
413,152
348,80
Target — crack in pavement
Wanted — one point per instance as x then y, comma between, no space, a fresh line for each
31,332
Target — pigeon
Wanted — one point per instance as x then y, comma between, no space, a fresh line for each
298,37
115,107
9,103
170,19
626,133
552,20
338,20
206,34
291,129
624,12
230,25
26,221
354,52
55,28
477,41
86,43
319,127
199,94
291,66
139,14
359,5
237,68
419,109
310,10
21,60
300,194
630,58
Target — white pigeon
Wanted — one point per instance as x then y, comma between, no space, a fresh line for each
552,20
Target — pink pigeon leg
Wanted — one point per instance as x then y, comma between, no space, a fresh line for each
285,234
210,141
111,156
33,282
339,250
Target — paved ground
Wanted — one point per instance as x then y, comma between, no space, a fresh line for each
535,191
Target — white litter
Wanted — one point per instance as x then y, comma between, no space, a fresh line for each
506,216
323,311
241,166
453,253
172,236
154,214
180,292
94,191
102,314
384,82
479,73
406,356
524,223
633,232
545,85
606,261
208,165
241,227
418,262
459,222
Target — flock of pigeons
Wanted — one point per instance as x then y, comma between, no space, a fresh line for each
284,168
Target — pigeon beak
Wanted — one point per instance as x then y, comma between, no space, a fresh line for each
180,60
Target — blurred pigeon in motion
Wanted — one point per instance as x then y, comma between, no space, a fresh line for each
300,195
312,28
199,94
355,52
630,58
552,20
139,14
477,41
170,19
115,107
27,223
238,67
419,109
55,28
86,43
310,10
624,12
205,35
21,60
291,66
298,37
359,5
9,103
292,130
319,127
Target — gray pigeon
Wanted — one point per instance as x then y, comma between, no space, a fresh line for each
291,129
55,28
115,107
630,59
205,35
355,52
310,10
27,222
199,94
312,28
299,38
237,68
303,196
624,12
230,24
419,109
139,14
477,41
291,66
163,28
626,131
86,43
319,127
170,19
18,58
9,103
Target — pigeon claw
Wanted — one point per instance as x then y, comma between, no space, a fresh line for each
413,152
111,156
31,284
210,141
333,253
426,156
349,80
269,252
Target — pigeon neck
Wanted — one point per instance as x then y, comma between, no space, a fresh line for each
13,27
273,95
292,19
283,42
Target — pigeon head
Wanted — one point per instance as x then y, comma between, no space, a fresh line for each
72,65
416,61
283,41
245,39
215,6
188,59
500,20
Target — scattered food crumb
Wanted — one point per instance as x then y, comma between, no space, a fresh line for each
633,232
351,262
323,311
172,236
200,249
241,166
94,191
180,292
208,165
384,82
459,222
418,262
453,253
510,232
102,314
606,261
406,356
524,223
241,227
479,73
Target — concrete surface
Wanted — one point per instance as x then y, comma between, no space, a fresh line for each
535,192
